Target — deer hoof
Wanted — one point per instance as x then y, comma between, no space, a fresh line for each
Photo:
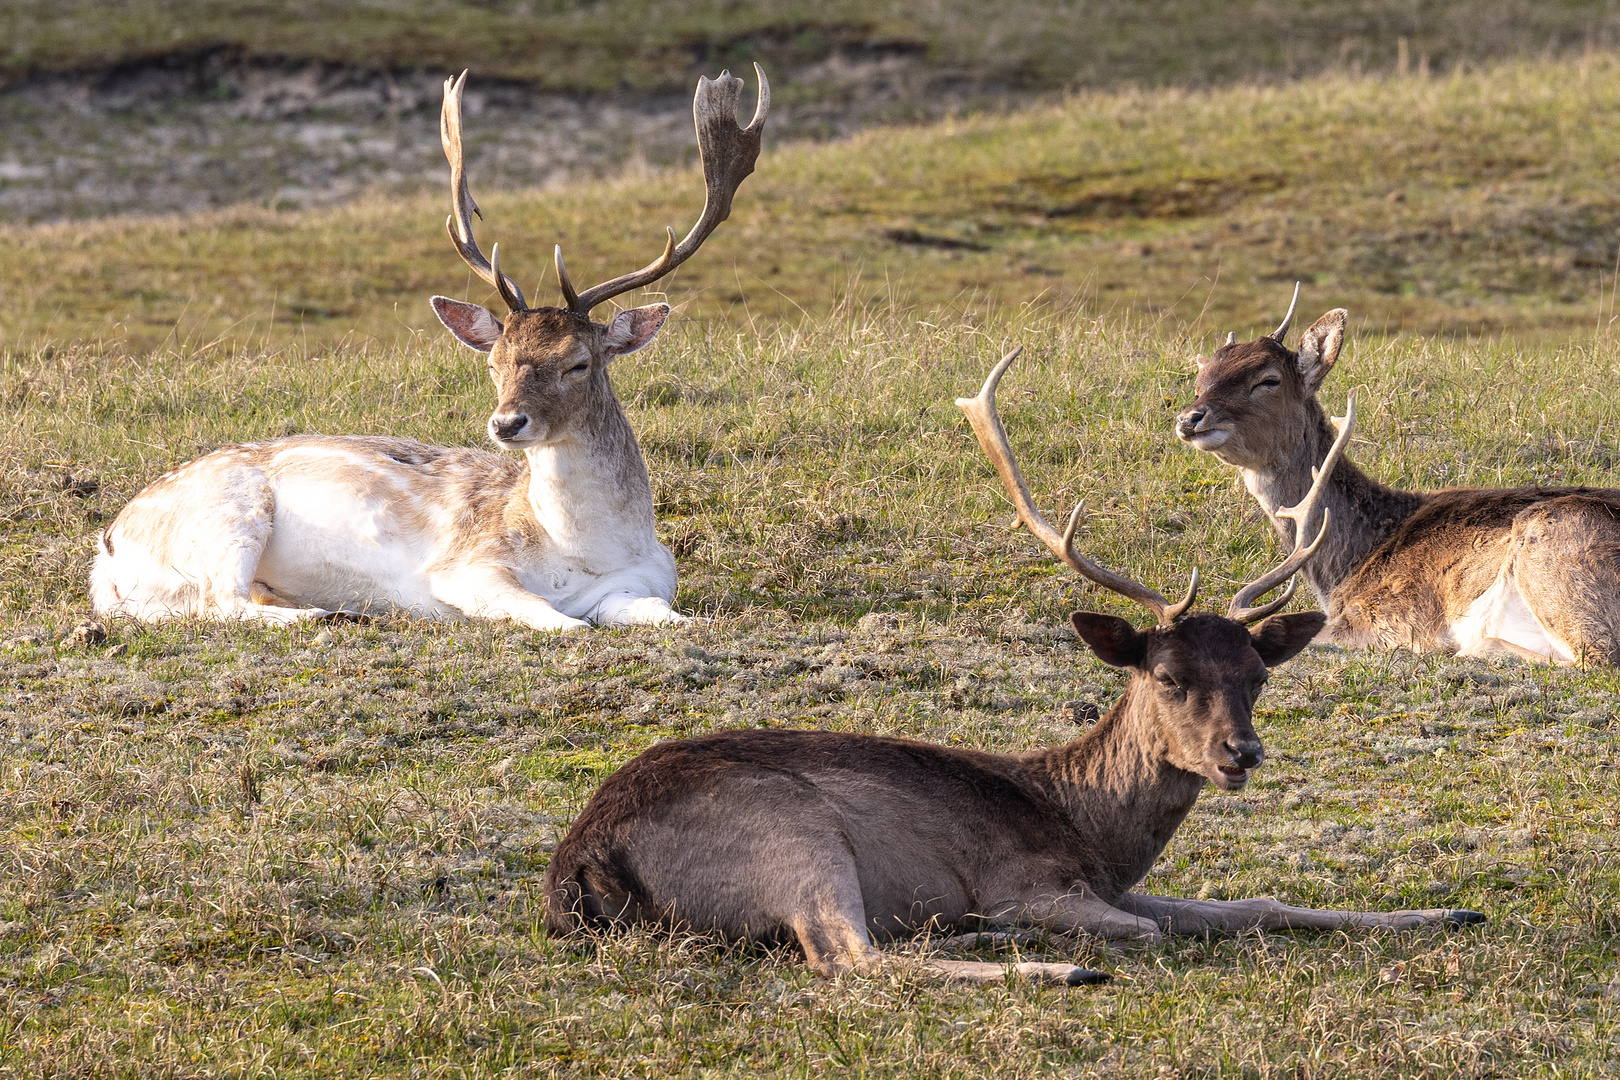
1086,977
1459,917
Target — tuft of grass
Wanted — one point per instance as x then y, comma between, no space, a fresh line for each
366,902
1472,204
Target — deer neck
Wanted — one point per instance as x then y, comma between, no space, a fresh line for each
1121,792
589,490
1364,511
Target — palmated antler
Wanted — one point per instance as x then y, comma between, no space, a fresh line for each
462,206
728,154
981,413
1300,514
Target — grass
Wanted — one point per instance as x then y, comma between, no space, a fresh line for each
244,852
1474,203
655,44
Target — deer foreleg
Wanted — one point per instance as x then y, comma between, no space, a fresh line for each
492,592
1177,916
628,609
1079,911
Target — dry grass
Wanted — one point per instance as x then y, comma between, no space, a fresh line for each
232,851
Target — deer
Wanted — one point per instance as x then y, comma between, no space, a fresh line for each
561,538
835,840
1529,571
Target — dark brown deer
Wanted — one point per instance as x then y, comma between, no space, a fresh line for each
1531,571
833,839
303,527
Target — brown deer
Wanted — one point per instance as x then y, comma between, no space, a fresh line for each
303,527
1532,571
834,839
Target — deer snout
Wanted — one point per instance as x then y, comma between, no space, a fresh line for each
507,427
1246,753
1203,431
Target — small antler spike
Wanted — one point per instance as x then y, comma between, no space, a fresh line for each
1231,337
1278,334
570,297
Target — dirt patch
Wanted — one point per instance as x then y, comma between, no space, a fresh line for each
217,127
1112,197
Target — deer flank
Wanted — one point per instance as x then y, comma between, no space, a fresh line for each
1530,571
836,840
560,538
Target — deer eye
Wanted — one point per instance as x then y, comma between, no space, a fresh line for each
1169,682
579,368
1268,381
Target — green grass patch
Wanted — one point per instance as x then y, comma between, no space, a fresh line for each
1470,204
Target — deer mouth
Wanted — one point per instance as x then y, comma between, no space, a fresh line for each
1232,776
1205,440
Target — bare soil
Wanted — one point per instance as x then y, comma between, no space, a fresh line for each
216,127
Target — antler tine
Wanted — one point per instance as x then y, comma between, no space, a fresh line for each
992,435
1288,319
728,154
459,223
1231,337
1300,514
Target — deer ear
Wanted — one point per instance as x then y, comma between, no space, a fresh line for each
1319,347
632,329
1280,638
1115,642
473,326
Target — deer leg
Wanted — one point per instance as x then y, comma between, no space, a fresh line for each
628,609
494,592
1177,916
1079,911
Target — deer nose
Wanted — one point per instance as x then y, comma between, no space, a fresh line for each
504,427
1247,753
1187,423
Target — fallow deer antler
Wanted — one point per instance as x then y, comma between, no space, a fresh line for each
1282,328
1300,514
459,223
981,413
728,154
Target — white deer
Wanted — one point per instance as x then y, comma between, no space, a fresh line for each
308,526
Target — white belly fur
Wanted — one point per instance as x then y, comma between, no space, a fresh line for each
1499,621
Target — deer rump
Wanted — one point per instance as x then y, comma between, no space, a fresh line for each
745,833
1529,571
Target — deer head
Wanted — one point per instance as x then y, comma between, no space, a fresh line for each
1194,678
1256,398
549,364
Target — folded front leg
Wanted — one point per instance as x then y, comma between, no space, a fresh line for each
492,592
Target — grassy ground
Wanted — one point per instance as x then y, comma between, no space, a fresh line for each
653,44
1471,203
245,852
